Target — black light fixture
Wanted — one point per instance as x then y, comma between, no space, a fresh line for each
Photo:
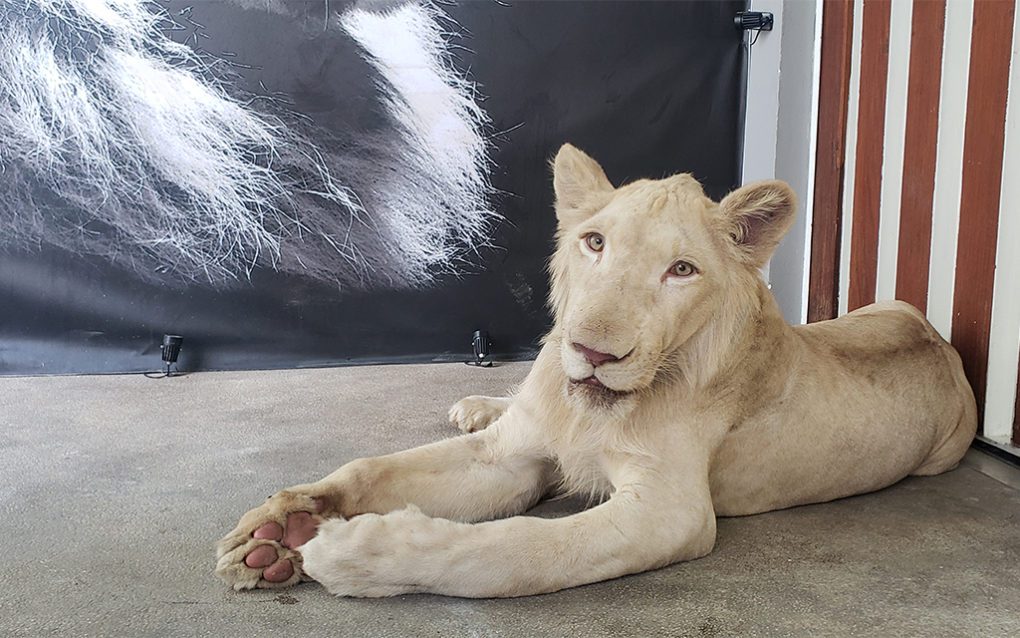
481,345
754,20
171,349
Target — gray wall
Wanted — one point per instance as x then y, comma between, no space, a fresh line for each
794,149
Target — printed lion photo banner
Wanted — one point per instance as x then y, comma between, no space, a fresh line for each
315,183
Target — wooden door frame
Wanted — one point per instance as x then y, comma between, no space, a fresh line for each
827,208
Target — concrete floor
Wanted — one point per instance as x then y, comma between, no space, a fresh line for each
115,488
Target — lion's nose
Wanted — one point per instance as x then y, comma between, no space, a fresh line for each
594,357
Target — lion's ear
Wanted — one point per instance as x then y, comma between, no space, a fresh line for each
756,216
580,184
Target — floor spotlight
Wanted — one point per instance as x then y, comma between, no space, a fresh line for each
481,345
171,349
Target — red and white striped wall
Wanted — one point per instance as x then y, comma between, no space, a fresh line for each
917,178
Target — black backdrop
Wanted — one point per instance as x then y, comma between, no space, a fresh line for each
647,88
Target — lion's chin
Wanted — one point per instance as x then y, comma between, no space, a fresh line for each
596,392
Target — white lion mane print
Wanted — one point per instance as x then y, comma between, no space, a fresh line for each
119,141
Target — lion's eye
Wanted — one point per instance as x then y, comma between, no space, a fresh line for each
682,269
595,242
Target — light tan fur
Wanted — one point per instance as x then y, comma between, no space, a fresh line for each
715,406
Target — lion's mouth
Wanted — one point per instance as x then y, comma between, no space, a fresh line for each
593,381
594,387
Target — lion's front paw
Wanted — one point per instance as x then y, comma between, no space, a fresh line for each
475,413
376,555
262,551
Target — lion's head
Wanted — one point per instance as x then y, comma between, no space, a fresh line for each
651,280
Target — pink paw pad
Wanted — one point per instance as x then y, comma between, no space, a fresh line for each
278,572
261,556
270,531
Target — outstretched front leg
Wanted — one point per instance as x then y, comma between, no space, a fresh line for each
468,478
648,523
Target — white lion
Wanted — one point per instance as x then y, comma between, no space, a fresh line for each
669,382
